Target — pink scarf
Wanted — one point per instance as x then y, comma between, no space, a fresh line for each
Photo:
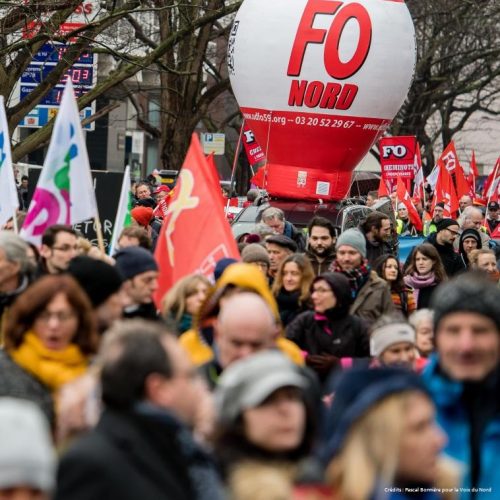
419,281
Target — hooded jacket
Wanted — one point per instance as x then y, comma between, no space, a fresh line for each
451,261
198,340
468,233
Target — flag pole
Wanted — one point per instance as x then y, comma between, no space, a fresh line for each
98,230
495,172
235,162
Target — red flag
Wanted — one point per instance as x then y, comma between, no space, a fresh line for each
473,165
464,188
445,192
404,197
195,234
491,185
382,189
259,178
449,158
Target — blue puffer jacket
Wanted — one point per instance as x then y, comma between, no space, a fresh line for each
453,419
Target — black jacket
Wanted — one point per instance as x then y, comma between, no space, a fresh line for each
348,338
452,262
135,456
374,250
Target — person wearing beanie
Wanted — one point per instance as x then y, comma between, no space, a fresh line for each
272,397
463,377
102,283
470,240
392,342
27,457
371,295
144,216
140,273
377,232
255,253
329,332
383,421
221,265
278,247
447,230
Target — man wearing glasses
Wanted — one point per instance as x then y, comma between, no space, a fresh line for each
447,230
59,246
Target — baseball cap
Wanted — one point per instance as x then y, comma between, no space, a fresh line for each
161,189
493,205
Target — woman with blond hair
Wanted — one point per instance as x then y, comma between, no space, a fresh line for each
485,260
183,301
292,285
382,440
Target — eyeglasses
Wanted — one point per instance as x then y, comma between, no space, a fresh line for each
62,316
454,233
66,248
321,290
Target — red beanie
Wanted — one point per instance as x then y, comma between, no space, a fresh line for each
142,215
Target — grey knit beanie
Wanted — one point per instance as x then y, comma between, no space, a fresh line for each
387,335
353,238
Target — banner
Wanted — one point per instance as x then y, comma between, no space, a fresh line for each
252,149
65,192
9,200
195,234
397,157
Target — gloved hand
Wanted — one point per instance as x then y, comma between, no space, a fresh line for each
322,363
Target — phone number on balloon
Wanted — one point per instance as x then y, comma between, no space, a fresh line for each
323,122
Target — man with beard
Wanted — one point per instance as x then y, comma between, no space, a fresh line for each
321,244
377,231
430,226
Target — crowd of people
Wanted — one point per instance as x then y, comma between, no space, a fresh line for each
318,365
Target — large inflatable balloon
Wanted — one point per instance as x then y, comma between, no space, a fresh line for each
318,82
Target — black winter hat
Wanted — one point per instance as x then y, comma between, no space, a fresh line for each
469,292
98,279
471,233
356,392
132,261
446,223
340,287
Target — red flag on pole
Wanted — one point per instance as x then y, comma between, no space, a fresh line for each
195,234
464,188
491,185
382,189
449,158
445,192
404,197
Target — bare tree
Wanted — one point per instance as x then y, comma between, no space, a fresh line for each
457,73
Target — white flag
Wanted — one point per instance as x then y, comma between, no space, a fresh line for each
65,192
432,178
9,200
123,217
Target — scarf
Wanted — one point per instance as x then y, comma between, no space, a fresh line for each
419,281
357,277
52,368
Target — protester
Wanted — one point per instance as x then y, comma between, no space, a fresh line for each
275,219
144,217
485,260
492,216
423,323
464,378
470,239
50,332
381,438
473,218
140,272
59,246
430,226
392,342
102,283
321,244
424,273
404,227
237,278
291,287
143,194
464,202
447,231
183,301
15,272
377,231
388,268
329,332
161,193
255,253
266,425
134,236
27,457
142,446
371,198
371,294
278,247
